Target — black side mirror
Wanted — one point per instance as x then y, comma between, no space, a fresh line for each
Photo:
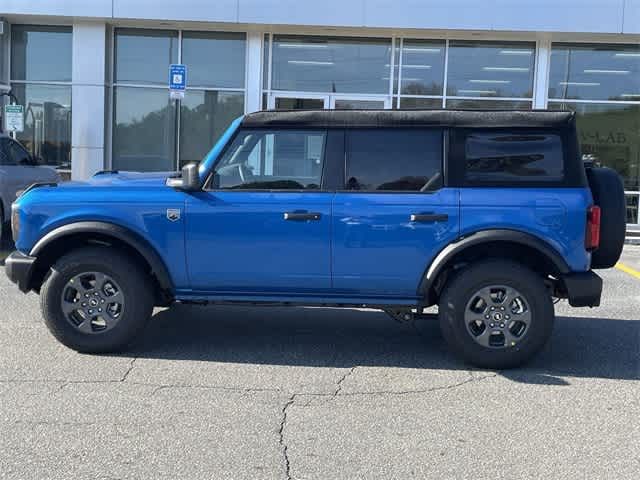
189,181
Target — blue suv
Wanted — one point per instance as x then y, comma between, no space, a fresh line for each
488,215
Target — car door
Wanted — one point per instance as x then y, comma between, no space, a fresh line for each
262,224
394,213
11,173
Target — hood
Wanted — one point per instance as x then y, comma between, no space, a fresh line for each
124,179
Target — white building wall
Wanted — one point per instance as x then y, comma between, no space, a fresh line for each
88,99
586,16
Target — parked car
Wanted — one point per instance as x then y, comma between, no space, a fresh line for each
18,170
488,215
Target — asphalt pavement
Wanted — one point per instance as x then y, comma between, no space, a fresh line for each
316,393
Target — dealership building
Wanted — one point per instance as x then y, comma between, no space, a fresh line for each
93,75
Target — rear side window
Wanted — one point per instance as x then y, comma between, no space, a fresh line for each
394,160
498,157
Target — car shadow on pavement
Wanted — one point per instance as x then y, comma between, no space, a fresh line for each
324,337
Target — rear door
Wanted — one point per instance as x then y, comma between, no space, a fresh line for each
262,225
393,213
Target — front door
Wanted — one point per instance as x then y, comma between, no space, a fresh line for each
393,214
262,225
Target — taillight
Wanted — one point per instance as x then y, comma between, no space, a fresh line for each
592,238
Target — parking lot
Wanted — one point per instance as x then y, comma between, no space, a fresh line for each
237,392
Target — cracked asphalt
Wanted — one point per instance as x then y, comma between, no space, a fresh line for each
304,393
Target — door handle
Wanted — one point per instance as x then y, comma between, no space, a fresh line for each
429,217
301,216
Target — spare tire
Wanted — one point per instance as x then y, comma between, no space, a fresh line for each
608,193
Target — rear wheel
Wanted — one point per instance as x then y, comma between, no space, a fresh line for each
96,300
496,314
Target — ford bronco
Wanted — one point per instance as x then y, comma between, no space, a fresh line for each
491,216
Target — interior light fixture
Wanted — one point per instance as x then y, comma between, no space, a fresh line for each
308,62
630,95
424,67
489,81
580,84
302,45
608,72
479,92
421,50
626,54
506,69
515,52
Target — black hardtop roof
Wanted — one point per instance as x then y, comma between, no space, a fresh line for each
407,118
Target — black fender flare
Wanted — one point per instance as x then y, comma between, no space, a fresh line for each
132,239
486,236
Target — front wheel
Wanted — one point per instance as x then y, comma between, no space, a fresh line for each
96,300
496,314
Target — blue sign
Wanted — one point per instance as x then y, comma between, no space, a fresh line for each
177,77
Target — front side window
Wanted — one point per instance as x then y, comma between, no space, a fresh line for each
5,154
17,154
272,160
513,156
394,160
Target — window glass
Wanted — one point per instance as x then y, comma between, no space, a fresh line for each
595,72
214,59
488,104
410,103
204,117
5,155
490,69
41,53
422,68
17,154
47,122
4,59
508,156
394,159
144,130
610,133
273,160
325,64
144,56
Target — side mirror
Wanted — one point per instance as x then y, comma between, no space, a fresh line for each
189,181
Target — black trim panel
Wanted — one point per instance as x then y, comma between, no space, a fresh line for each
132,239
18,267
583,289
486,236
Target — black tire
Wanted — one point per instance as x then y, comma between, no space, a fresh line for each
459,291
608,193
133,282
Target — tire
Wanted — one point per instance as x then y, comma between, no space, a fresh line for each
608,193
458,298
123,276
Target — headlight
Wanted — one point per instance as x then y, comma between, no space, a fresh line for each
15,222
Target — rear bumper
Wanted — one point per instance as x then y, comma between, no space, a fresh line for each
583,289
19,268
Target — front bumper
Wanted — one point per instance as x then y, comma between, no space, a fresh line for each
583,289
19,268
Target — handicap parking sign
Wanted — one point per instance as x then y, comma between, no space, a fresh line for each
177,80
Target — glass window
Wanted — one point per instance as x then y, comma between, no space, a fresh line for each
595,72
490,69
325,64
422,68
41,53
144,56
273,160
611,133
144,132
214,59
507,156
6,158
4,60
488,104
47,122
420,103
17,154
355,104
204,116
394,159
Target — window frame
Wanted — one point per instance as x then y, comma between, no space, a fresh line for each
573,177
330,144
341,188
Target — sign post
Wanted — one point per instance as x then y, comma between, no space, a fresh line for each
177,81
14,118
